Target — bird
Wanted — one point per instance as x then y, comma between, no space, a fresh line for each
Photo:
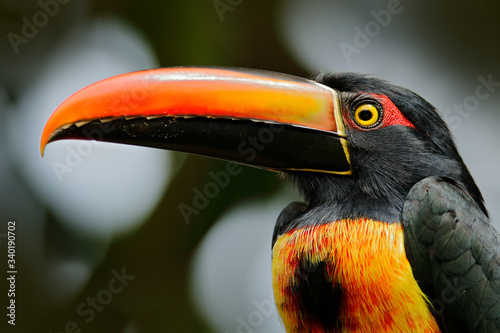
392,233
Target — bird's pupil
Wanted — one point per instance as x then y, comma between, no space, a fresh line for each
365,115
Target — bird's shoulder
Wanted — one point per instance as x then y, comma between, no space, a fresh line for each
455,254
287,215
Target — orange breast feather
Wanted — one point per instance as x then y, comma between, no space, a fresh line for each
348,276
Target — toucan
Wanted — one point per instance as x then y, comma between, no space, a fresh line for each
392,234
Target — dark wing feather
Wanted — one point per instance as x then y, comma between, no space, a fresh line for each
455,254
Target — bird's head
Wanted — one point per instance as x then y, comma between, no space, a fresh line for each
395,139
342,137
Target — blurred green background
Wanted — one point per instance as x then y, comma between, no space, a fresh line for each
101,243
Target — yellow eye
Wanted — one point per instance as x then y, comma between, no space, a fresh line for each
367,115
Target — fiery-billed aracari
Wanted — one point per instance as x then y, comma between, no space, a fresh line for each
393,234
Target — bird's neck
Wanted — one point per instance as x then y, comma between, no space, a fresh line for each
347,276
331,198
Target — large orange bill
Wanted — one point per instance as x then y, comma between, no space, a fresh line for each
254,117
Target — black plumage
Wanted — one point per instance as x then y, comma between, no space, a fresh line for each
386,162
448,238
455,254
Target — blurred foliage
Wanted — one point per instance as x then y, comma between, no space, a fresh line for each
182,33
191,33
158,254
